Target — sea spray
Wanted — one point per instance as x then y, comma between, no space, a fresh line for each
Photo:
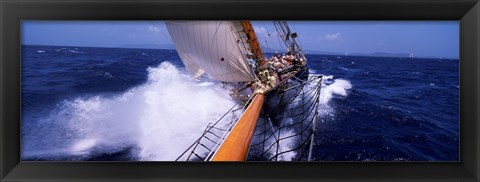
330,88
338,87
178,111
289,137
161,118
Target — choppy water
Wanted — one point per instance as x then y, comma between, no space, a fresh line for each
138,104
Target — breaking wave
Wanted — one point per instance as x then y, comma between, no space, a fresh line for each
332,87
160,118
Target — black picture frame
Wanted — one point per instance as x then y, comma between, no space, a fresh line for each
12,12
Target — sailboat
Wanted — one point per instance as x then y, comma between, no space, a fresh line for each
230,52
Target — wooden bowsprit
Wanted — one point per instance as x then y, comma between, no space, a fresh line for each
235,147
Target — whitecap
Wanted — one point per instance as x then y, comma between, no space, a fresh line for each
161,117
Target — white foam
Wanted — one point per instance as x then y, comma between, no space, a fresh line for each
285,144
75,51
83,145
205,84
337,87
330,88
162,117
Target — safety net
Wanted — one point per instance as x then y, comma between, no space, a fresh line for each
284,132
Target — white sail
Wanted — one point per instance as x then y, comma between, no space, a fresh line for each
212,47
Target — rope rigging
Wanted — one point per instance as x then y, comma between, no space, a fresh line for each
285,128
288,135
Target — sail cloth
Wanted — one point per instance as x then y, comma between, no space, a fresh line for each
213,47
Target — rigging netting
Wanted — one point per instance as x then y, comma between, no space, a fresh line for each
287,127
284,131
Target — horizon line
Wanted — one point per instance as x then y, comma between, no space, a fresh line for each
333,53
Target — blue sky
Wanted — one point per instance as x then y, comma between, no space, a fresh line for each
423,38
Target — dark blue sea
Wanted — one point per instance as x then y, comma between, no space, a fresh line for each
81,103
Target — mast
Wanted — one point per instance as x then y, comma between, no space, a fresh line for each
288,37
236,145
252,40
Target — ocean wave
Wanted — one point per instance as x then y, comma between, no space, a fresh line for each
332,87
162,118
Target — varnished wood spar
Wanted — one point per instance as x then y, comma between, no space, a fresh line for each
253,40
236,145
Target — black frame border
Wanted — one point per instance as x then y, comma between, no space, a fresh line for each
12,12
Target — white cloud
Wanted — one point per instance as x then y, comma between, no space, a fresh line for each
334,36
